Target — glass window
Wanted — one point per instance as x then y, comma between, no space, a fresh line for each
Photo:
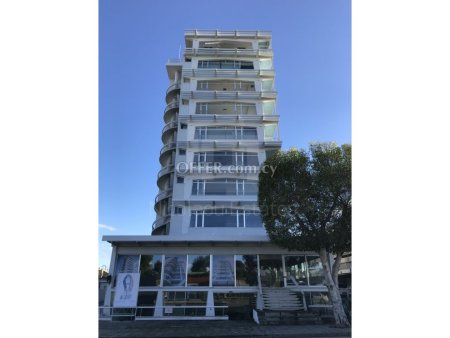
220,219
239,305
175,271
246,270
198,270
150,270
223,270
146,299
296,268
175,303
253,219
315,270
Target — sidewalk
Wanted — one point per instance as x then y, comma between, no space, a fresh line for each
216,329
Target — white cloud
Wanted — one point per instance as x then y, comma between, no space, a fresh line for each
107,227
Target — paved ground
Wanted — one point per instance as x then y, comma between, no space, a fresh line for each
216,329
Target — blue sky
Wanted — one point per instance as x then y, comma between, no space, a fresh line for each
312,60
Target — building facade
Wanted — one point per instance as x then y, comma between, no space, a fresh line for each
208,255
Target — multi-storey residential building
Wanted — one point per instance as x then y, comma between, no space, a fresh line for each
208,255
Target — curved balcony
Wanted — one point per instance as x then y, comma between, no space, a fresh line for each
170,111
172,92
171,126
161,197
160,222
166,150
163,174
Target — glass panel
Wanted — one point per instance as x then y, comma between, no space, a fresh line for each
223,270
146,299
249,134
253,220
271,270
150,270
240,305
198,270
175,303
193,217
251,188
175,271
315,270
220,220
246,270
296,268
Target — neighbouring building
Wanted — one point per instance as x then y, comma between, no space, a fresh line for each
208,255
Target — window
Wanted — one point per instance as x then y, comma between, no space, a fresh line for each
183,126
178,210
175,271
226,133
150,268
226,108
182,151
225,218
225,186
198,270
225,64
226,158
223,270
180,179
246,270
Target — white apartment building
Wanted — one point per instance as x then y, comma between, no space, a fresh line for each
208,256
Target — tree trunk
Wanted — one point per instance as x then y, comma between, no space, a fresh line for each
333,290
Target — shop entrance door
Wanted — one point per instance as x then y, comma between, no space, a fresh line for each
271,271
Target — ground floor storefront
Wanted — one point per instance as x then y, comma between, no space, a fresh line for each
205,280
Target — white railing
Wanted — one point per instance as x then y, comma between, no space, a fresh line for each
224,33
228,52
229,73
228,95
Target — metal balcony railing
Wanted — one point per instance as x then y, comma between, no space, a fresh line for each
228,95
170,125
228,73
160,222
228,52
227,34
173,87
168,147
162,195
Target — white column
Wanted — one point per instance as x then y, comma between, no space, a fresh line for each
210,305
159,304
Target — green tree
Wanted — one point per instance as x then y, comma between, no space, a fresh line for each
306,206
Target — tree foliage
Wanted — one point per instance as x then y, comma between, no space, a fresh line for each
306,204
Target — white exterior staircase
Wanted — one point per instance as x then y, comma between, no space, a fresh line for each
281,299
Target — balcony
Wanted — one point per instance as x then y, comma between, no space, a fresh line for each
231,52
230,144
163,174
228,73
162,196
228,95
229,118
160,222
170,111
172,92
194,33
168,147
169,127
